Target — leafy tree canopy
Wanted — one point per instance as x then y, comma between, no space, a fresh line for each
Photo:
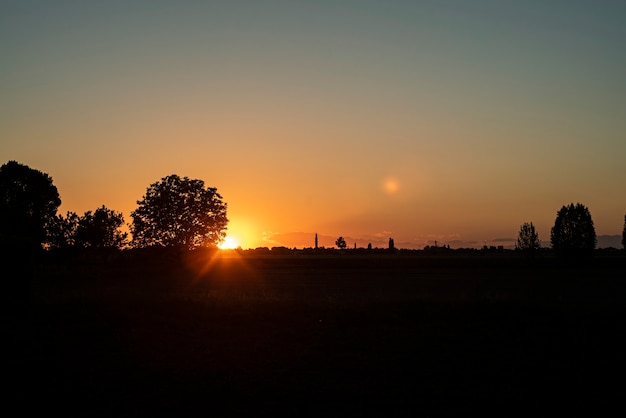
98,229
341,243
179,212
28,203
101,229
573,232
62,231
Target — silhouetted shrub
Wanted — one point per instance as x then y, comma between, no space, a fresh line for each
341,243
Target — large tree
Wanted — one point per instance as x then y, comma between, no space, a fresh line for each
28,204
573,232
527,239
179,212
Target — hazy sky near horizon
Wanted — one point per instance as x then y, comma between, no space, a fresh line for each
446,120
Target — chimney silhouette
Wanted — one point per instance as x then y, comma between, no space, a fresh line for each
316,240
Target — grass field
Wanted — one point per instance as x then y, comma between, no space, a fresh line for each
327,336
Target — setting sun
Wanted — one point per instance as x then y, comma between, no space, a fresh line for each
229,243
409,128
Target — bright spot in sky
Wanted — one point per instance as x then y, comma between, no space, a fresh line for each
229,243
391,185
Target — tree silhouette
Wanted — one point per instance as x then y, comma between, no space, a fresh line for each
573,232
101,229
528,240
62,231
624,234
341,243
28,204
179,212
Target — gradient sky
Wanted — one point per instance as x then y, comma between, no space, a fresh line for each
447,120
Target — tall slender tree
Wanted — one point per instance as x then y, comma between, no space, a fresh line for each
528,240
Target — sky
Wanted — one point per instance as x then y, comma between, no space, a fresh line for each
448,121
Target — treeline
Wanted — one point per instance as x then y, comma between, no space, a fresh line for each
181,214
426,251
178,213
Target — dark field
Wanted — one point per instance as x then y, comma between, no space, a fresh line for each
327,336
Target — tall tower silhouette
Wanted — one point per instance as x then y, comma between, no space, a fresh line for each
316,240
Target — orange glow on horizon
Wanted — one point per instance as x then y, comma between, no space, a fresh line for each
229,243
242,232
